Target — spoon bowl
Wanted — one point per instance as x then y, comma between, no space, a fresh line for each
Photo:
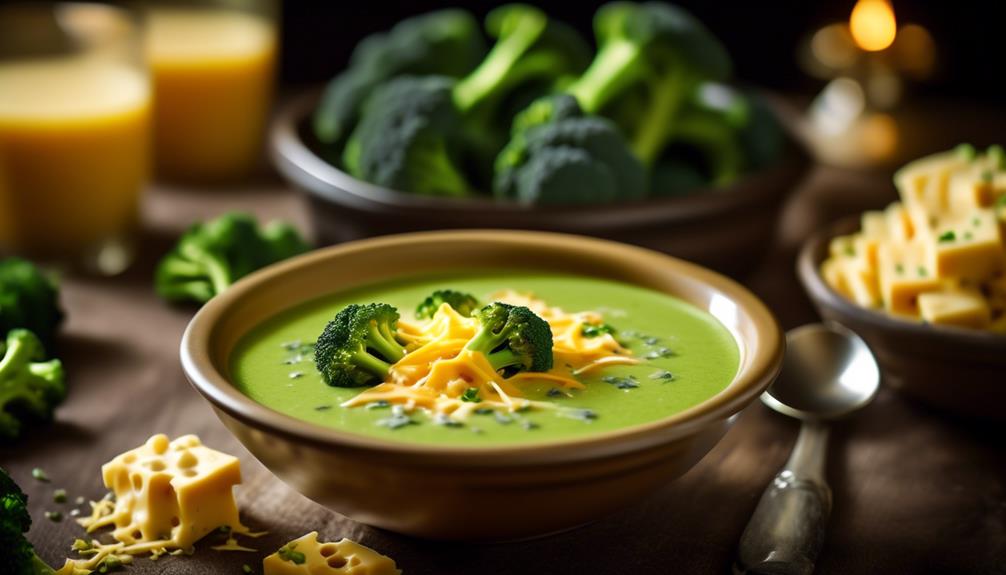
829,372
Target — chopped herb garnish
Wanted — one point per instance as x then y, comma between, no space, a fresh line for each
528,425
594,330
663,375
524,407
584,414
471,395
502,418
291,345
59,496
40,475
659,353
81,545
289,553
379,404
987,176
651,340
922,271
1001,202
850,251
947,236
555,392
323,408
397,419
246,569
966,152
484,411
629,382
54,516
441,419
900,269
969,236
976,222
997,154
296,374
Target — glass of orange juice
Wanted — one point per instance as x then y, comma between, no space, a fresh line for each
74,132
213,65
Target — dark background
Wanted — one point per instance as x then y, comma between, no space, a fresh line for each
762,37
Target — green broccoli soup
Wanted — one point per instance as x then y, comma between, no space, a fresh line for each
486,358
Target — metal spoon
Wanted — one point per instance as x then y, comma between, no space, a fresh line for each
829,372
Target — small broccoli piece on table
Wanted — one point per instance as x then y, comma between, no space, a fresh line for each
359,345
19,556
212,255
444,42
463,303
512,338
408,138
30,388
29,299
558,156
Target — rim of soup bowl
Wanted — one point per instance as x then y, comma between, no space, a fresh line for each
761,354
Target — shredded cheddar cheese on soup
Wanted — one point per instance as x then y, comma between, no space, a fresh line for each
438,374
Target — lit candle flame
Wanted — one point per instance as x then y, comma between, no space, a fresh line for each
873,25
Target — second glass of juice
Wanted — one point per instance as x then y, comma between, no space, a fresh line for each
213,65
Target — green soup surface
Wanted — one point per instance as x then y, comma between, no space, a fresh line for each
686,356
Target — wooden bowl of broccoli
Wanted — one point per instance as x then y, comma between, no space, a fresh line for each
643,140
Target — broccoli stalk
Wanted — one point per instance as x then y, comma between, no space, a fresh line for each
29,388
655,46
463,303
29,299
212,255
19,555
512,338
359,345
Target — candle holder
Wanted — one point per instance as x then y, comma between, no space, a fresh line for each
867,61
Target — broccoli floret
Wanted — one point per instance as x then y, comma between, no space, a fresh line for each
29,299
359,345
656,50
416,133
30,388
557,156
512,338
19,555
463,303
444,42
212,255
407,136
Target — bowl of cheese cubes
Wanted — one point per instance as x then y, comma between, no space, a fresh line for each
924,280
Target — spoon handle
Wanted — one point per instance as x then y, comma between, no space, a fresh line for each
787,529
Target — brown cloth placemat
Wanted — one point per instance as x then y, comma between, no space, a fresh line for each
914,491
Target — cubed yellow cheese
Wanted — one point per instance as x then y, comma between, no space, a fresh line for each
970,191
831,270
842,246
175,491
899,223
970,247
926,180
861,281
874,225
308,556
905,273
961,308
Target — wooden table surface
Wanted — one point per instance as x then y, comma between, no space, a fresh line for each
914,491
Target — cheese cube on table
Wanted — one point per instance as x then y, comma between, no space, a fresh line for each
905,272
308,556
960,307
970,247
175,491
